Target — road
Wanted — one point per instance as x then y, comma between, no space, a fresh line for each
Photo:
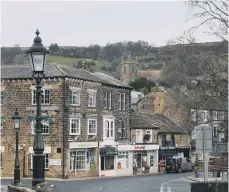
171,182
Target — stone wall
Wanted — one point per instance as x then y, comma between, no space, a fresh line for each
19,95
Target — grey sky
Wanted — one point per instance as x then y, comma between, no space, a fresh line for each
84,23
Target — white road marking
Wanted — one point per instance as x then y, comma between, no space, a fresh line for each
169,190
100,188
161,189
105,185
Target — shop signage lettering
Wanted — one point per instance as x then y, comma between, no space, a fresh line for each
83,145
55,162
140,147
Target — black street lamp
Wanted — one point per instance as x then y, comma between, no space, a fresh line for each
16,118
38,58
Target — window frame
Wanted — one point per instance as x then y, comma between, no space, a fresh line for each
105,100
121,128
33,126
73,163
70,126
109,99
2,98
1,160
221,115
92,95
123,101
120,101
1,127
140,138
77,92
46,154
34,98
88,123
110,128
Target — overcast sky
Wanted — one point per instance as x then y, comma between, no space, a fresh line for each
76,23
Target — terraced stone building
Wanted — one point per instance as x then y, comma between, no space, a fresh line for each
90,115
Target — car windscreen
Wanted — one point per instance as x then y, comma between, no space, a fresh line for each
170,161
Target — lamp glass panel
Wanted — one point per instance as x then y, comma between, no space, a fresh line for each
16,123
38,61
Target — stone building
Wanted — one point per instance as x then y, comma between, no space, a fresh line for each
144,135
160,108
88,112
130,70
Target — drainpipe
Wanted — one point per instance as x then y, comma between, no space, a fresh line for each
63,156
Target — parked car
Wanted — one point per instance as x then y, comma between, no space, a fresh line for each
178,164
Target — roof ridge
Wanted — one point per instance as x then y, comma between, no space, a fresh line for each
58,68
145,119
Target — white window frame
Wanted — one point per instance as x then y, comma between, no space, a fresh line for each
73,160
193,114
123,101
111,130
139,136
88,123
33,126
121,128
109,99
70,126
221,115
105,99
214,116
120,101
75,92
46,158
92,98
149,132
34,101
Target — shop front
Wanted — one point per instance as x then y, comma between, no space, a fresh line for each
116,160
108,161
145,158
83,159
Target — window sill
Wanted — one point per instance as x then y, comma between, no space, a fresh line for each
74,134
45,169
94,134
75,105
46,134
91,106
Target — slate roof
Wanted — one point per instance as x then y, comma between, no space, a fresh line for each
138,121
165,125
58,70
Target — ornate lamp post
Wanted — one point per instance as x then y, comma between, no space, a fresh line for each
16,118
38,58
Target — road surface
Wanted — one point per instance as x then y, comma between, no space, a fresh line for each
171,182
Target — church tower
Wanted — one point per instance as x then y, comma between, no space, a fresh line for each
128,70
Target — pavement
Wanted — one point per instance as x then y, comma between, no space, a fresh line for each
167,182
192,178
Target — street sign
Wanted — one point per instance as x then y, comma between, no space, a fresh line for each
218,163
203,139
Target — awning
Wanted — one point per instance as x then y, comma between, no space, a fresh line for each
106,151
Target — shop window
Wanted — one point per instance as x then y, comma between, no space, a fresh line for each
123,161
107,162
77,160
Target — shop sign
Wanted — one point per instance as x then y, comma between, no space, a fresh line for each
73,145
55,162
218,163
140,147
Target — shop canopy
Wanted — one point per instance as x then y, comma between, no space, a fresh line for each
108,151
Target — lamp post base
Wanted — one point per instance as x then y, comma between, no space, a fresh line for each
16,176
38,169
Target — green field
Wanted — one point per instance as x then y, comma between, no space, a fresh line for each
69,61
